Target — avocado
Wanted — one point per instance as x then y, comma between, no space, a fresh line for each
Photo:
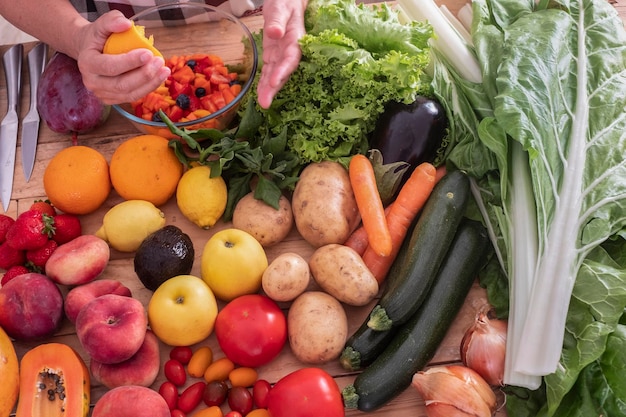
164,254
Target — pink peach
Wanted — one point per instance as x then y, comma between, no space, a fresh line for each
78,296
131,401
79,261
141,369
112,328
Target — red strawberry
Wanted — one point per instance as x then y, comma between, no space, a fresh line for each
10,257
44,206
37,258
13,272
5,223
66,227
31,230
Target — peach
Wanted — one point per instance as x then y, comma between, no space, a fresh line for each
112,328
141,369
78,296
79,261
131,401
31,307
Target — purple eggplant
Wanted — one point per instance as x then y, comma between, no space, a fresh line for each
410,133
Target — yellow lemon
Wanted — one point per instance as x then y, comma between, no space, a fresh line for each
200,198
233,262
128,223
133,38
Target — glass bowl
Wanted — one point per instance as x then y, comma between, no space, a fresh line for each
187,29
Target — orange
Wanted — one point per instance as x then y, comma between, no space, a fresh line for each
133,38
145,168
77,180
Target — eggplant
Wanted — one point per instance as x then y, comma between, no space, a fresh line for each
411,133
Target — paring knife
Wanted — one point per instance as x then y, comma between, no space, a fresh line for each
30,125
12,61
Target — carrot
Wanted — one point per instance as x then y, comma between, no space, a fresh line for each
404,209
358,239
370,205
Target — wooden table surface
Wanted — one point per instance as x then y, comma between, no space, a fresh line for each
105,139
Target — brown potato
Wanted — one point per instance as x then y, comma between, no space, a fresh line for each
268,225
286,277
317,326
341,272
324,207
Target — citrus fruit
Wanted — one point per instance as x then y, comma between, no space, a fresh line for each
132,38
200,198
145,168
232,264
128,223
76,180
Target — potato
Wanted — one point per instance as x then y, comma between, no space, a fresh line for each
317,326
341,272
324,207
268,225
286,277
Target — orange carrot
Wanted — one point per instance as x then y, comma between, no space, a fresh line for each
404,209
370,205
358,239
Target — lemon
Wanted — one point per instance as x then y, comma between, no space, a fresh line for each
200,198
128,223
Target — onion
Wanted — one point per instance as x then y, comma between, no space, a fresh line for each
483,348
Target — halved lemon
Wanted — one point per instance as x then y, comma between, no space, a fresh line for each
133,38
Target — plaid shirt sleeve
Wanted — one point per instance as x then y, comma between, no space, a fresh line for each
92,9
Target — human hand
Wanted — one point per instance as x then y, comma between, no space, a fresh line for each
116,79
283,26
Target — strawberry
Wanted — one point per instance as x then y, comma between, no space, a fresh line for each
5,223
10,257
31,230
44,206
13,272
66,227
37,258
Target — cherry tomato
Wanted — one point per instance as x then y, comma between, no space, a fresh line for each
175,372
169,392
182,354
260,391
177,413
307,392
233,414
251,330
191,397
215,393
240,400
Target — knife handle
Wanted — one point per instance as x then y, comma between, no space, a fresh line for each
37,58
12,61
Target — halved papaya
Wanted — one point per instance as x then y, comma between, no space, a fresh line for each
54,382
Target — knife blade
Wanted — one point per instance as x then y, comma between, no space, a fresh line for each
12,61
30,125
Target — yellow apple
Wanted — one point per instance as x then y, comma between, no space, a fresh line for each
182,311
233,262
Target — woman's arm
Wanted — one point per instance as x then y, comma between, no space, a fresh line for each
112,78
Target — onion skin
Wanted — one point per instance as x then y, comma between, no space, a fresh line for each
454,391
483,348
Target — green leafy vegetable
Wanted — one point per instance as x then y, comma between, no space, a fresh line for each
543,136
354,60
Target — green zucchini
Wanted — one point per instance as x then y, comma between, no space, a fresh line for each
366,344
428,245
417,340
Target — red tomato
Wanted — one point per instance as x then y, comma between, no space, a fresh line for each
251,330
233,414
169,392
181,353
175,372
260,391
191,397
307,392
177,413
240,400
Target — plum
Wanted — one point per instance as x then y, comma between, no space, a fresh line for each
64,103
